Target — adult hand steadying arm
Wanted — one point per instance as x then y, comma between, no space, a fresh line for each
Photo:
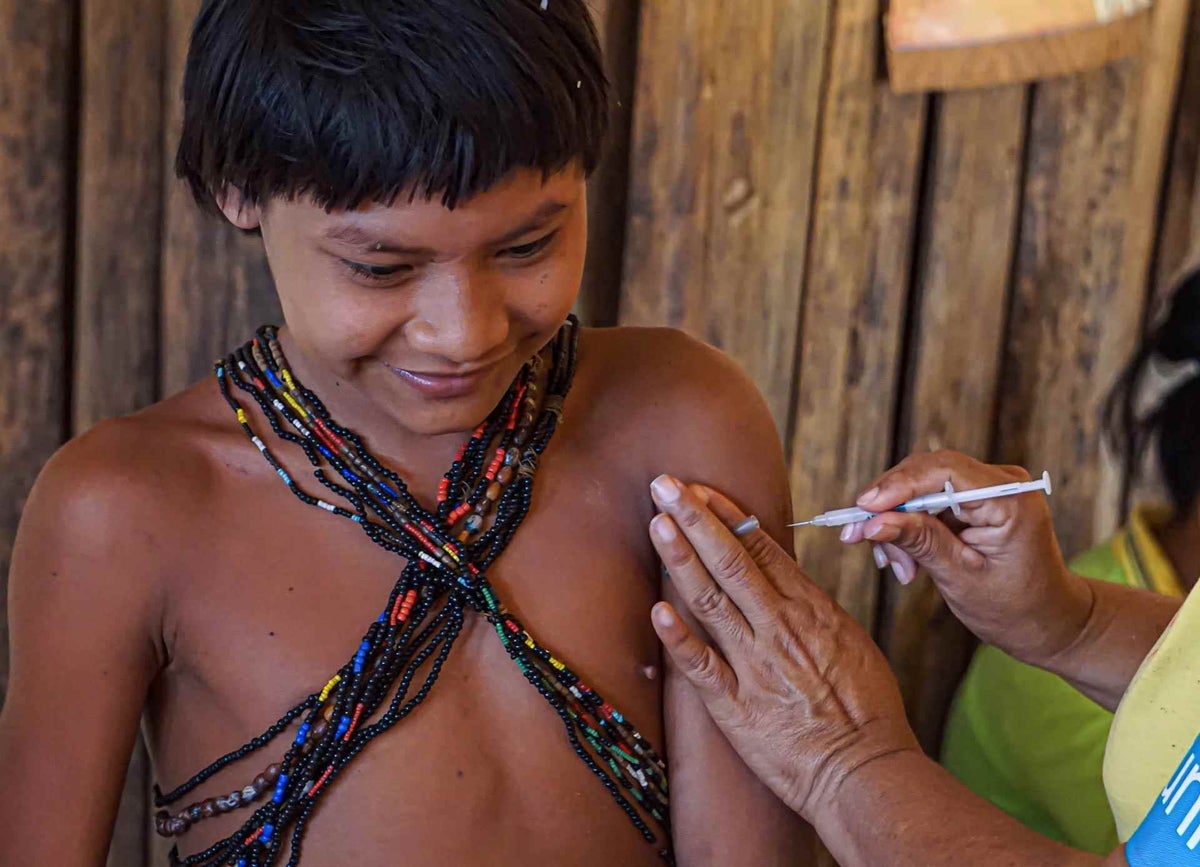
808,701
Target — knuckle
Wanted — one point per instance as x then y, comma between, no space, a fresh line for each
689,517
921,541
733,564
705,667
710,603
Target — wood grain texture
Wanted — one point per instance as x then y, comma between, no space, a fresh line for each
1179,229
115,366
725,133
956,342
1072,324
855,296
120,209
608,188
36,179
215,284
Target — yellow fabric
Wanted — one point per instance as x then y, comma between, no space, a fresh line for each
1027,740
1140,555
1157,721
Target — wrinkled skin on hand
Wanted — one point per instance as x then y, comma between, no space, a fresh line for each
798,687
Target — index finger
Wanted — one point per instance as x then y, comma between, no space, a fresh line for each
722,554
776,565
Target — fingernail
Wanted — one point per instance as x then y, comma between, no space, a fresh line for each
663,528
873,531
881,557
847,531
868,496
901,576
701,493
662,616
666,490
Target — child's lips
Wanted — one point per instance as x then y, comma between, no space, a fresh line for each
443,386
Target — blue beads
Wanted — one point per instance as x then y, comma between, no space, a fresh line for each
324,451
394,495
360,658
280,784
274,379
342,726
268,832
287,480
302,734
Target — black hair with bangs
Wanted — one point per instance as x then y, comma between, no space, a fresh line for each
349,101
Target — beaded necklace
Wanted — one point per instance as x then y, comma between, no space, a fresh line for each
447,555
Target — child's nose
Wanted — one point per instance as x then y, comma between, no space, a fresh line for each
462,319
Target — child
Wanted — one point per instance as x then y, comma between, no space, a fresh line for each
333,667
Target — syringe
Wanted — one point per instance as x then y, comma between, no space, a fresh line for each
932,503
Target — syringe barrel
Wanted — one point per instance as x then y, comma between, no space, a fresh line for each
841,517
928,503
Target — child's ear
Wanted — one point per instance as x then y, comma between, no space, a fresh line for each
237,210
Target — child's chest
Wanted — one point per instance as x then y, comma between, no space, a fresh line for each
281,594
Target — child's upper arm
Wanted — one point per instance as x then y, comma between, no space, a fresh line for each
717,431
83,614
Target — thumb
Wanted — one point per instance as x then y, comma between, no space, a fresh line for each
927,540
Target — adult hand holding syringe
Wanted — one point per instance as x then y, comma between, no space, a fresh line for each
932,504
998,564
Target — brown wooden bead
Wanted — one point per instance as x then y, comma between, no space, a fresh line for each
271,773
495,489
505,476
483,507
318,730
327,713
208,808
260,784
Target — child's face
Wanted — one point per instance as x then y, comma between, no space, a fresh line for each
427,312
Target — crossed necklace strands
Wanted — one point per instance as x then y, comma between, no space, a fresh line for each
447,555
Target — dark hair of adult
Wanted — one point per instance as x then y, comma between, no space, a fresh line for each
1173,424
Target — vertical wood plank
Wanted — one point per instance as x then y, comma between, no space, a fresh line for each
1072,323
957,339
120,209
215,283
608,188
854,301
36,148
672,135
116,297
720,210
1179,231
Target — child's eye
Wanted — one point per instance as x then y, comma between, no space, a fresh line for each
376,272
528,251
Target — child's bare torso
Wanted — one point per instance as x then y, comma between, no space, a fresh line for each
268,597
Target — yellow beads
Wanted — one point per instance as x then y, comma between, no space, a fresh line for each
334,681
295,404
241,416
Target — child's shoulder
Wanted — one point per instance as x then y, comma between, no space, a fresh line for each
670,392
661,364
136,470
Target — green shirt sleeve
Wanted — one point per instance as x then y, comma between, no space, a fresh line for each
1033,745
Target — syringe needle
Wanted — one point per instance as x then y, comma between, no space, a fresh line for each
800,524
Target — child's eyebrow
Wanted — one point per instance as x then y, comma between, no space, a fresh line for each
357,236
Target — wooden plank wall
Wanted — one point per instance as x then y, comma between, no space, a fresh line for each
896,273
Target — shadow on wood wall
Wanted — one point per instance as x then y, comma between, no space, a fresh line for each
896,272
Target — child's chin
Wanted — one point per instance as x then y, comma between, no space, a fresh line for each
440,416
